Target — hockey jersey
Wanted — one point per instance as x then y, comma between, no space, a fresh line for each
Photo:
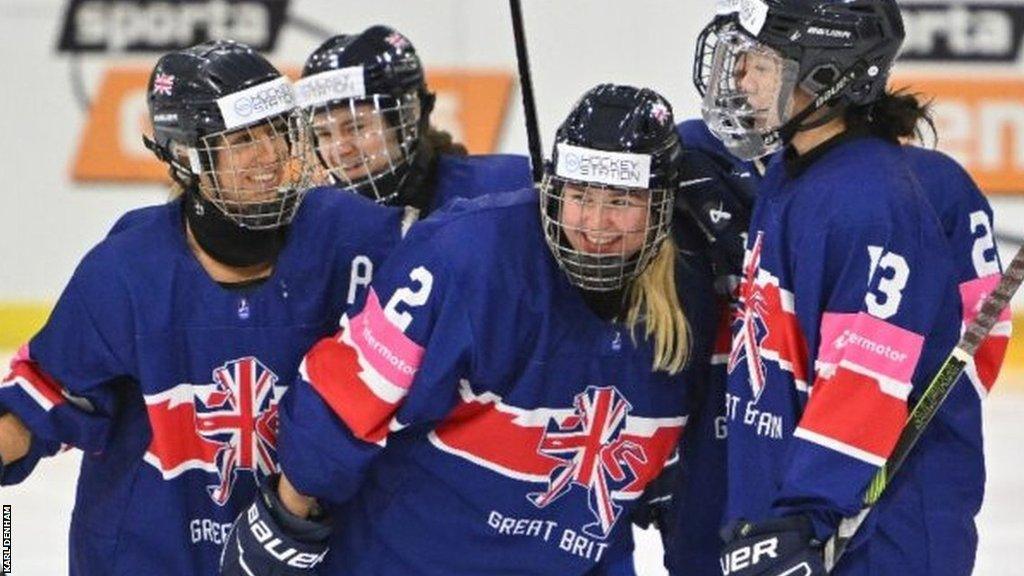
691,535
169,383
848,306
474,416
479,174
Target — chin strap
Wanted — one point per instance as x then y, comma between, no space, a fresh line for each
822,99
179,172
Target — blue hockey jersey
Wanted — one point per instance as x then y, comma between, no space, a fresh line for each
479,174
848,305
691,535
169,383
474,416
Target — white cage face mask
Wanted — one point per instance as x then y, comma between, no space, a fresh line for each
749,91
256,175
367,144
603,236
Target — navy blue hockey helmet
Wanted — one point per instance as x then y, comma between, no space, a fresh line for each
756,53
616,157
368,103
223,120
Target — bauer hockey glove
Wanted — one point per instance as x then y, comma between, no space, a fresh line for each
267,540
777,547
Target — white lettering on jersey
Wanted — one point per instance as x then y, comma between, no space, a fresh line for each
409,297
983,253
891,280
359,277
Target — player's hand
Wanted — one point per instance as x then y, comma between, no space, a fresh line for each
778,547
15,439
270,541
655,503
720,201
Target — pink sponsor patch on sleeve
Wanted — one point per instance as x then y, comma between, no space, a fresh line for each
871,343
391,353
22,355
973,293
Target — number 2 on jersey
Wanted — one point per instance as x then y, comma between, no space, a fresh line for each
410,297
983,253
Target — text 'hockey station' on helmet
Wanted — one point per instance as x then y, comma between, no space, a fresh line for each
367,101
607,193
223,119
760,60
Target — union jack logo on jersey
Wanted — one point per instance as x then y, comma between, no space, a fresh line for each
396,40
753,329
163,84
593,453
240,415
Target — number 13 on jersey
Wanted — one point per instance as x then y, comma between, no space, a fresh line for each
886,280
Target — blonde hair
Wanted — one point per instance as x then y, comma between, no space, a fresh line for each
177,190
653,299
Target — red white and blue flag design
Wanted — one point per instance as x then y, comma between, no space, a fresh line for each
163,84
768,328
594,454
597,445
223,428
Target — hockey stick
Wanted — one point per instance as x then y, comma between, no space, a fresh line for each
931,400
526,87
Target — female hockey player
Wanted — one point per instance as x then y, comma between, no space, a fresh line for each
166,355
848,302
690,518
510,384
370,109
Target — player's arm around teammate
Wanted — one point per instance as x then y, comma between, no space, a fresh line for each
161,360
437,427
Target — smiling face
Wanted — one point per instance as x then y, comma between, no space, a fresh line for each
355,141
250,164
604,221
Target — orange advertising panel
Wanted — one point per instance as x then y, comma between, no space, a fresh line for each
980,122
471,104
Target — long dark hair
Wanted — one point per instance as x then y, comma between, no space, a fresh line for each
897,116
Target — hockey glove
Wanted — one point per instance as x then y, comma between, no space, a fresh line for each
719,199
778,547
656,501
267,540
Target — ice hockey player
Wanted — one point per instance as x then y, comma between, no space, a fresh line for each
840,199
166,355
513,380
370,110
721,198
690,509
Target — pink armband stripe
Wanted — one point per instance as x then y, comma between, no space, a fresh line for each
874,344
383,346
974,292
